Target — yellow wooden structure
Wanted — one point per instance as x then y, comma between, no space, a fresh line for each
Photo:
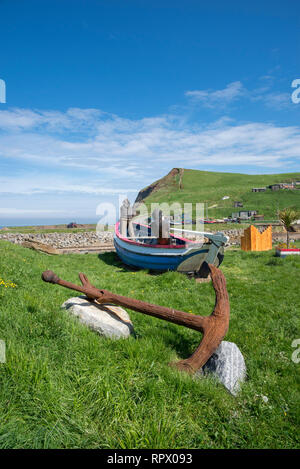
253,240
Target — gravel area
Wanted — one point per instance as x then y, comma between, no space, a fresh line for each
74,240
62,240
91,238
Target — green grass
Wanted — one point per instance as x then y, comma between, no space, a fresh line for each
63,386
209,188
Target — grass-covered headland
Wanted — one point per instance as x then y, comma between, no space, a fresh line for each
209,188
63,386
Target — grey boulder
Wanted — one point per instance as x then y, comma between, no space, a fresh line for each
108,320
227,364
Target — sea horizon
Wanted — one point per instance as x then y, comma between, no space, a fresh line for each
21,222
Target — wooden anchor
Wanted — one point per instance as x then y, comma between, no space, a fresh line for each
213,327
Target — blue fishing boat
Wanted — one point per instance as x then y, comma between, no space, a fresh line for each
140,249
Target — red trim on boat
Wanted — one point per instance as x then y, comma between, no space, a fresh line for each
284,249
157,246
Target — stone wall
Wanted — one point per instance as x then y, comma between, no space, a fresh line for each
91,238
62,240
234,236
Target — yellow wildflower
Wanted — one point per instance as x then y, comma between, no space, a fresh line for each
7,284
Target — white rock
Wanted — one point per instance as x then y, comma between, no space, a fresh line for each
108,320
228,365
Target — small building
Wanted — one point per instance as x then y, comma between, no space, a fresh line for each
288,185
259,189
247,213
251,213
258,217
275,187
282,185
237,204
244,214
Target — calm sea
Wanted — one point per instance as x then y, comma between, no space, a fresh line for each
41,221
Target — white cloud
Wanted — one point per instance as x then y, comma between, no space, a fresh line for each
73,119
220,98
28,185
273,100
123,155
75,159
19,211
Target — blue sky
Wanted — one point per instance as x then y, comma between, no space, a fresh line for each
103,97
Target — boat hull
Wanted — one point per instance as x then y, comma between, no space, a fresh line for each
147,260
186,258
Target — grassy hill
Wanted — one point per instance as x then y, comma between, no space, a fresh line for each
64,386
208,187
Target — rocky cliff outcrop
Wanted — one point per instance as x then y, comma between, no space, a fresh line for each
174,177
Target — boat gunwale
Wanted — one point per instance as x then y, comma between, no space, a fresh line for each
153,246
